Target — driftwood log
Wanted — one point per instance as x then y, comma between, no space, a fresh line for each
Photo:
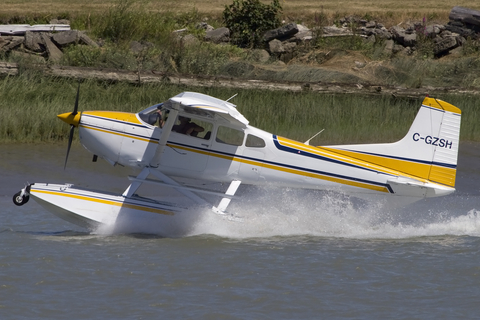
465,15
79,73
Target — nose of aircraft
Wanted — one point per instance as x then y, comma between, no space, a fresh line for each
70,118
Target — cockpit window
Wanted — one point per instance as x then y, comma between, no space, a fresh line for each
254,142
193,127
230,136
151,114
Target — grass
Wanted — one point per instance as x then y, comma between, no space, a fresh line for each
30,103
390,11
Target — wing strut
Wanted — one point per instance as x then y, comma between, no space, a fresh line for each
142,177
226,200
166,130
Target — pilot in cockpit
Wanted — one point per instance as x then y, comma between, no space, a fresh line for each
161,120
187,127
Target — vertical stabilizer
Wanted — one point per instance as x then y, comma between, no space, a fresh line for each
428,151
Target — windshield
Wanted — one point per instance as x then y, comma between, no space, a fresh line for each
150,115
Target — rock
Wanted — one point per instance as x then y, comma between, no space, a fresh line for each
334,30
397,48
281,33
11,43
303,34
432,30
388,50
54,54
218,35
402,37
19,55
382,33
444,45
289,46
259,55
275,47
34,42
84,39
205,26
63,39
66,38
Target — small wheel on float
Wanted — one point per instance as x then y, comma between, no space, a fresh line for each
20,200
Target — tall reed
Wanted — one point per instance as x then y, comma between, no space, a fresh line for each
29,104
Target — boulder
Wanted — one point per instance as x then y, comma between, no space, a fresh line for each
218,35
11,43
444,44
63,39
275,46
259,55
402,37
205,26
281,33
34,42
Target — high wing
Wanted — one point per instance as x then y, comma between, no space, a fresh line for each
207,106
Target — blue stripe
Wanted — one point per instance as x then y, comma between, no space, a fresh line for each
329,174
323,158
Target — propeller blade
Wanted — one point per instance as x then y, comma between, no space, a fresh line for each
76,101
72,129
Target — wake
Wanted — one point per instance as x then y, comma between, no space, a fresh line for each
290,212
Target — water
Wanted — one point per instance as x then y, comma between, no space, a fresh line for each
296,255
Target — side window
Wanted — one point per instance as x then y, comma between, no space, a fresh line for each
193,127
230,136
254,142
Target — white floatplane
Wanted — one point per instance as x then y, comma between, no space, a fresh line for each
200,137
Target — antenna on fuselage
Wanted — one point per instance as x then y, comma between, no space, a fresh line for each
231,97
308,141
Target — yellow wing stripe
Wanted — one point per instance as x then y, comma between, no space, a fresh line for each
109,202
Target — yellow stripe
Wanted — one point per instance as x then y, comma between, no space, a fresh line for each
290,170
335,155
109,202
443,175
116,115
418,170
442,105
118,133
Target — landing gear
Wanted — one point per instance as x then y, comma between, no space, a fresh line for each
21,197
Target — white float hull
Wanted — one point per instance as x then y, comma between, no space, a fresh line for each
91,209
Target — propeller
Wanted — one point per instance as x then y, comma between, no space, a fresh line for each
73,119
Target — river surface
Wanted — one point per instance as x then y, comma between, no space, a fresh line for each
296,255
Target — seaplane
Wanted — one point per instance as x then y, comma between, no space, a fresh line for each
196,137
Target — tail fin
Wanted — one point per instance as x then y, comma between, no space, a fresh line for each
428,151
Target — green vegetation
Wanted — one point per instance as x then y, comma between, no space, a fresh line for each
248,20
30,103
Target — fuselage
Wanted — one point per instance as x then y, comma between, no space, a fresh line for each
227,153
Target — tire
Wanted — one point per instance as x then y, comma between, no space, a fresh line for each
19,200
